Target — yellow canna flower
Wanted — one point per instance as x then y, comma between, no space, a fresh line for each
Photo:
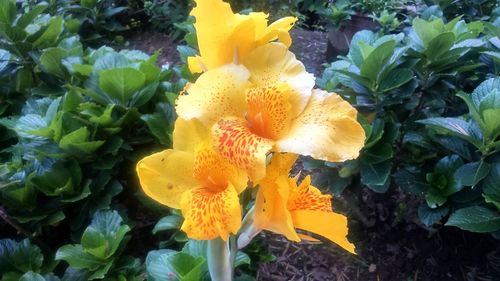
268,104
223,35
195,178
281,206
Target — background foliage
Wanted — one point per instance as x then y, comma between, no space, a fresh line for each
75,116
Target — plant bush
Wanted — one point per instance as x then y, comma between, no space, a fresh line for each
404,84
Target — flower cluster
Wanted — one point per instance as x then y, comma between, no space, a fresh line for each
242,124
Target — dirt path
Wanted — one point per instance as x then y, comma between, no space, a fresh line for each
309,47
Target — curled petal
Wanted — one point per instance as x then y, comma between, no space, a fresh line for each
278,30
325,130
271,211
208,215
217,93
215,172
308,197
217,39
166,175
241,147
330,225
273,64
269,110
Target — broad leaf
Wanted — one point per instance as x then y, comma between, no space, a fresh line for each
475,219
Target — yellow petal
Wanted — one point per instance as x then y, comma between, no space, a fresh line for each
196,64
220,32
277,28
281,164
188,134
273,64
308,197
217,93
271,211
214,172
208,215
241,147
330,225
166,175
269,110
325,130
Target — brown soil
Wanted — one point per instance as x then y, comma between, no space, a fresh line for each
309,47
149,41
392,247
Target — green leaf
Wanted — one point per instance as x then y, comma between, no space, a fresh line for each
378,153
430,216
439,46
88,3
76,256
377,60
22,255
76,142
27,18
160,122
171,222
31,276
121,83
491,188
8,11
51,59
395,79
475,219
51,34
434,198
95,243
376,176
241,259
427,30
483,90
471,173
455,127
167,264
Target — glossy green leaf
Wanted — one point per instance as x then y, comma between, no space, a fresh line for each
51,34
51,59
430,216
121,83
76,256
171,222
471,173
475,219
377,60
376,176
8,11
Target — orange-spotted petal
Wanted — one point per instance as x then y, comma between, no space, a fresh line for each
273,64
217,93
308,197
325,130
208,215
214,172
269,110
241,147
166,175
